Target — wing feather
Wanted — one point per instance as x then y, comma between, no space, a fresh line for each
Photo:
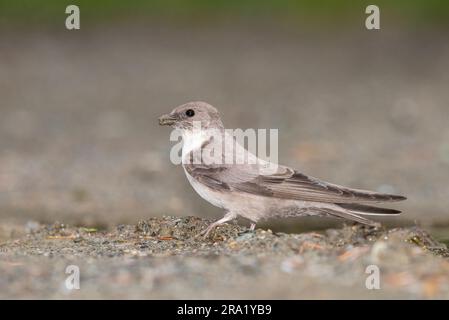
286,183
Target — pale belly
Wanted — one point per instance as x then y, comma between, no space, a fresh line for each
206,193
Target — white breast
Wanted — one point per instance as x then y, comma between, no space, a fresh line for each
192,140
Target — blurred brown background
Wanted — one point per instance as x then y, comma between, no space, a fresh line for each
79,139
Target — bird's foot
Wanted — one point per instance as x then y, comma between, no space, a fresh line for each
252,226
228,217
205,232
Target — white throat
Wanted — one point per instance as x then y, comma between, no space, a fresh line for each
193,139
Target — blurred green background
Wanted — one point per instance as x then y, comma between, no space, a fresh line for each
409,12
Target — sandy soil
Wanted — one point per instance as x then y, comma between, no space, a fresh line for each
164,258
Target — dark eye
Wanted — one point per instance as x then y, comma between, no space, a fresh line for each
190,113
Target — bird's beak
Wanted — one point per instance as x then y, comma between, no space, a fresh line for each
167,120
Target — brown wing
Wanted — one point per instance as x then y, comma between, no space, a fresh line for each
285,183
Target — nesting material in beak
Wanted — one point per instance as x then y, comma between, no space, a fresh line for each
166,120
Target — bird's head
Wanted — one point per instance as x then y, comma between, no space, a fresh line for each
185,116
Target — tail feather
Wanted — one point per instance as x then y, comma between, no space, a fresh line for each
368,210
349,216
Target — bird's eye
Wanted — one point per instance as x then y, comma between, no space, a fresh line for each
190,113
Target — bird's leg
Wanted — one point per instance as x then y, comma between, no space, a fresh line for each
252,226
228,216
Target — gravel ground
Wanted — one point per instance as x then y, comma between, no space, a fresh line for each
164,258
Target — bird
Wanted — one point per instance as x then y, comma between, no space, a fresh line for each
257,189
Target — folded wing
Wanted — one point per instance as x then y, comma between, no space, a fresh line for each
286,183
